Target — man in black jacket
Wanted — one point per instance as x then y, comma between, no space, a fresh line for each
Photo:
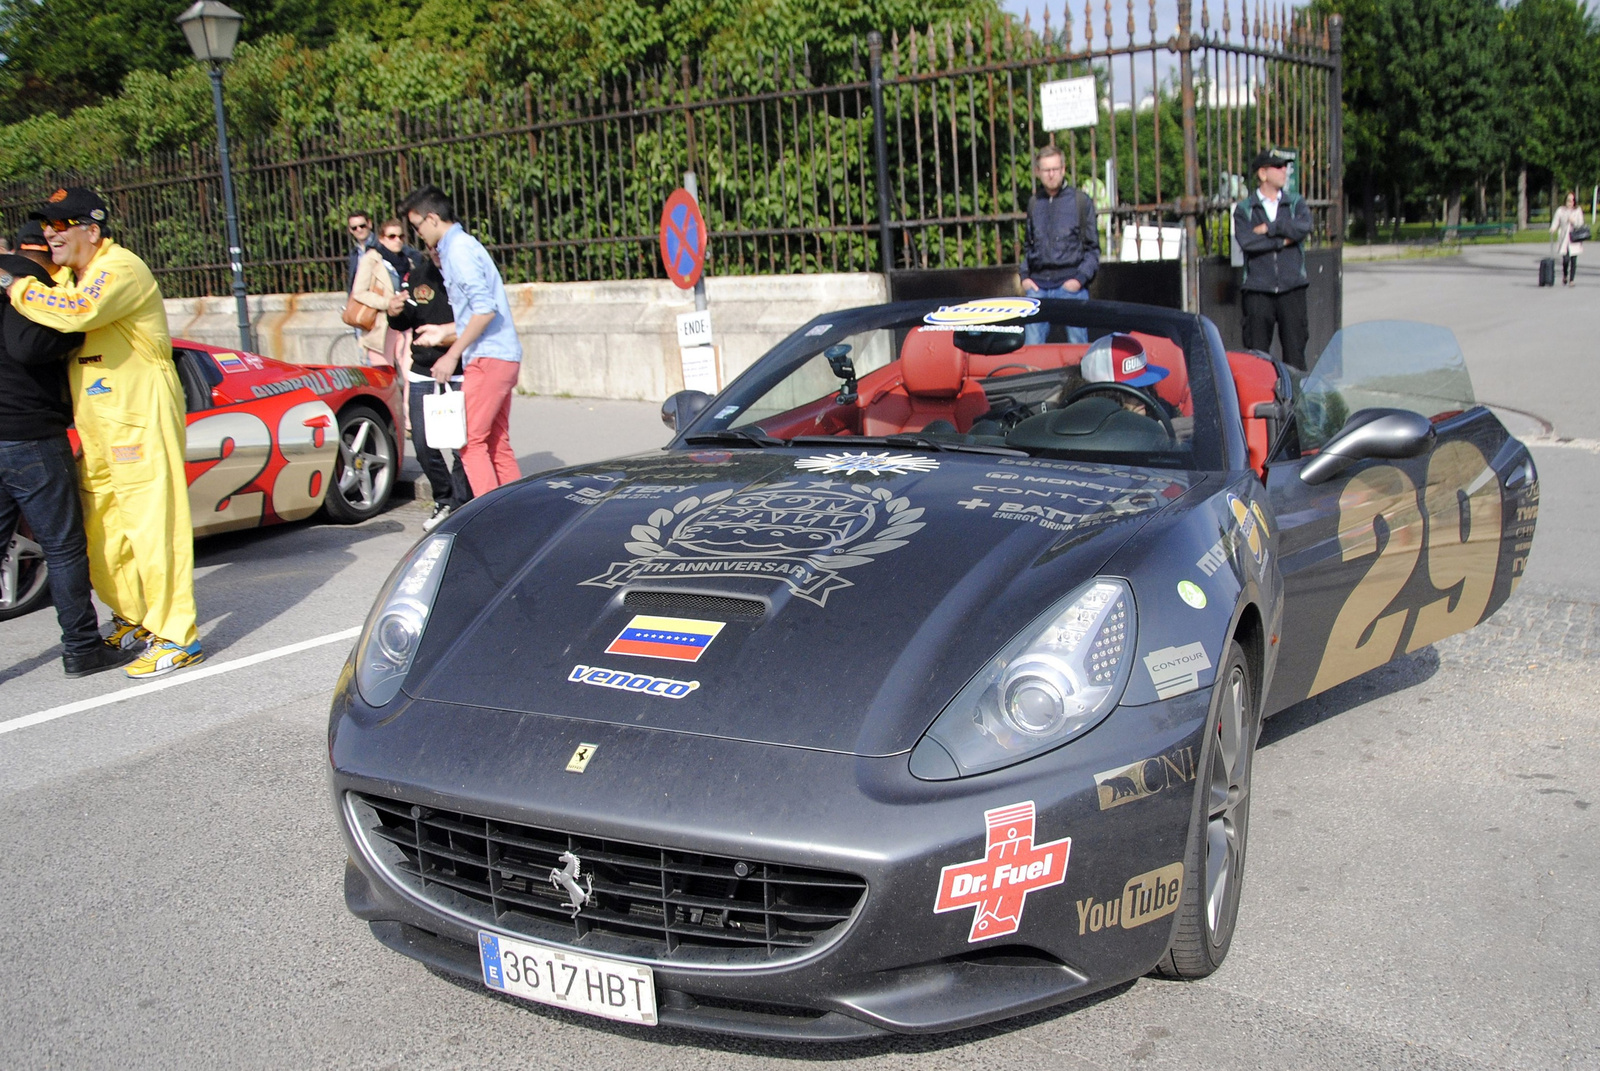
1061,251
38,478
422,300
1271,226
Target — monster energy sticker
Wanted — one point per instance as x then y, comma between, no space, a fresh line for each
805,536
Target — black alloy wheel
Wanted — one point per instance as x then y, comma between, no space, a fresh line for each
1213,866
365,470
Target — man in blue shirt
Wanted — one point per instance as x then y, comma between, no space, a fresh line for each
482,340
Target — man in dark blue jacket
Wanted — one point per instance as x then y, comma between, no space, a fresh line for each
1271,226
1061,252
38,477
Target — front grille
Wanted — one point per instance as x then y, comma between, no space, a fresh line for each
687,602
651,903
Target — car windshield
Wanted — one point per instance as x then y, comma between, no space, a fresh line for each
991,375
1393,364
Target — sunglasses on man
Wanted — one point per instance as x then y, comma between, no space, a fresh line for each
66,224
356,227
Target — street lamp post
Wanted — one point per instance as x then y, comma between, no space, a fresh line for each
212,28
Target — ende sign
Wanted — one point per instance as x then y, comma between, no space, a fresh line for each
1068,104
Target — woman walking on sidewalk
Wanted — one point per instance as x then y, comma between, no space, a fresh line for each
1565,220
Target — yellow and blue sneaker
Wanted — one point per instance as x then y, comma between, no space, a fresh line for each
164,656
126,636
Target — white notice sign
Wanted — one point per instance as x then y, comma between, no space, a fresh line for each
1068,104
700,368
694,328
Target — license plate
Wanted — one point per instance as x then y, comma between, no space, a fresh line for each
590,984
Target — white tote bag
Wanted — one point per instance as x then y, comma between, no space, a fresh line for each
444,419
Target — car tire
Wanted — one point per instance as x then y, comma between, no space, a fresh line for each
24,578
365,470
1213,864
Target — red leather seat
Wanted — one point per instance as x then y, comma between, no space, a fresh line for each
933,385
1254,380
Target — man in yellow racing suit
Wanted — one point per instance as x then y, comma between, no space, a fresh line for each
127,404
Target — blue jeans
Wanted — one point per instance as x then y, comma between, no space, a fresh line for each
39,482
1036,333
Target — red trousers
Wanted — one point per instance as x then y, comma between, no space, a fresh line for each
488,457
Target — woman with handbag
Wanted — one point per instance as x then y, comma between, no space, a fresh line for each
379,274
1566,224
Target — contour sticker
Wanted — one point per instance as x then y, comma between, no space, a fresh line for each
1012,866
1191,593
983,311
819,330
804,537
98,387
624,681
1176,670
848,464
681,639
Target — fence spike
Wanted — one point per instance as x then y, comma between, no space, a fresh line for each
1088,25
805,58
1108,23
968,53
1130,22
1047,24
1153,18
1205,19
949,47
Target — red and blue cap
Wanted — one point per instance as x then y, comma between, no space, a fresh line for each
1120,358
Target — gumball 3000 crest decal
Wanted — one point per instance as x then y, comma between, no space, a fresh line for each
805,536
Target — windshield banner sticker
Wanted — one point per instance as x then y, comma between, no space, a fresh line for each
802,536
1012,866
982,311
849,464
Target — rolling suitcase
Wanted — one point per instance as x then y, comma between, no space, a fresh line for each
1547,271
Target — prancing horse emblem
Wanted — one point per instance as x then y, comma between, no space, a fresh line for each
567,878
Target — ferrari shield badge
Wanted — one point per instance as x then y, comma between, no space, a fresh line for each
1012,866
580,758
806,535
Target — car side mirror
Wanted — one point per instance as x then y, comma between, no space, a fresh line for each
680,410
1385,433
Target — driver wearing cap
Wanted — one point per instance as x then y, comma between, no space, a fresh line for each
1121,359
128,407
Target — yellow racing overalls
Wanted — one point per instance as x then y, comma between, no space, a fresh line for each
127,403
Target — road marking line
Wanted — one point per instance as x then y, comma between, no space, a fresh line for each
189,677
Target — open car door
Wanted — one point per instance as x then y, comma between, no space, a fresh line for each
1394,531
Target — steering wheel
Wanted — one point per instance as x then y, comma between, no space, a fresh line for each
1155,411
1020,367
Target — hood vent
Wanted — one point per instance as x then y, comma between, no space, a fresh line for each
685,602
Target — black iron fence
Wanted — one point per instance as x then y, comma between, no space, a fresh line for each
914,154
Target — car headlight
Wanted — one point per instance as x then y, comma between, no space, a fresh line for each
394,628
1057,680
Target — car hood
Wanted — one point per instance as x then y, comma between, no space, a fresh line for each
823,599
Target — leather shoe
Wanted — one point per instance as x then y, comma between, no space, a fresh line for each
98,660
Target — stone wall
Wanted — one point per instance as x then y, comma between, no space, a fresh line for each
594,340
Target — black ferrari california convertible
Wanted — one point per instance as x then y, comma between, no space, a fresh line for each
916,683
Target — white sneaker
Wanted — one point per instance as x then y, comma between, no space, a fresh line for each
440,513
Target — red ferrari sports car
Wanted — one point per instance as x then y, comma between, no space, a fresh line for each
268,441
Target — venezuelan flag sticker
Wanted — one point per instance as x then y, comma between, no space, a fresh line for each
681,639
232,362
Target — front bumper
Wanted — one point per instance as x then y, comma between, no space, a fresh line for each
898,966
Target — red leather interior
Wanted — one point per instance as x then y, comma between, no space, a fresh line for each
933,385
1254,380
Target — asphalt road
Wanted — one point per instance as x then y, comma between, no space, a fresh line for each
1423,886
